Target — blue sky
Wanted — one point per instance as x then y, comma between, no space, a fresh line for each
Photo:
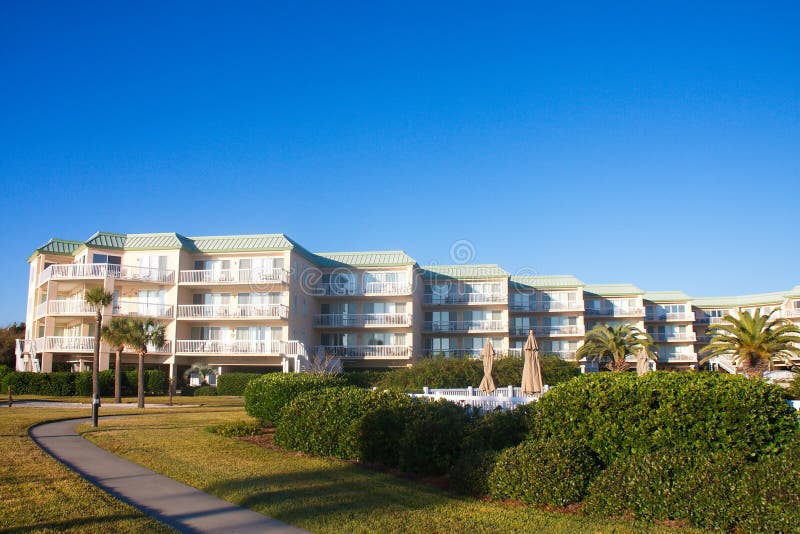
628,143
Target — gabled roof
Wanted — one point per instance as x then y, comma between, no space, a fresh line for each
378,258
242,243
554,281
666,296
106,240
61,247
741,300
464,272
613,290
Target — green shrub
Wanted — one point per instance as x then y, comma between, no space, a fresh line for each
236,429
439,372
106,382
83,384
793,391
205,391
130,382
156,382
188,391
266,396
329,422
4,370
234,383
617,414
470,474
363,379
543,473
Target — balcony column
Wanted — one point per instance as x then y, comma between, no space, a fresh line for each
108,313
47,362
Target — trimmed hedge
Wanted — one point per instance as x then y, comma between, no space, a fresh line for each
65,384
266,396
234,383
549,473
329,422
236,429
439,372
155,382
617,414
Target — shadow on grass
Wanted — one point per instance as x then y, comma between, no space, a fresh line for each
59,526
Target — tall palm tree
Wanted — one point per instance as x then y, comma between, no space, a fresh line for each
754,341
99,298
115,334
139,334
615,342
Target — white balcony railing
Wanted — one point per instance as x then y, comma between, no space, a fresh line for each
547,306
65,307
370,288
465,298
233,311
487,325
678,317
614,312
235,276
68,344
215,346
678,357
548,331
361,352
791,313
709,320
142,309
342,320
563,354
673,336
75,271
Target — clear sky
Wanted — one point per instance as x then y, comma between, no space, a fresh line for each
619,143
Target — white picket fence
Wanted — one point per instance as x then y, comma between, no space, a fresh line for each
503,398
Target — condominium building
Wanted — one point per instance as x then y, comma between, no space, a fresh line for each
263,302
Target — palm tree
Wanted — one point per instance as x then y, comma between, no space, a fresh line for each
615,342
139,334
115,334
201,369
99,298
754,341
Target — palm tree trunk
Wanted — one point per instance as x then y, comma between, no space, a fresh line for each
141,380
118,378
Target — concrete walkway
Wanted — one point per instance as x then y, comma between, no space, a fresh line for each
180,506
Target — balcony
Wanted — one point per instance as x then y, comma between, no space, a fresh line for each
335,289
548,331
675,357
74,344
339,320
367,352
235,276
465,298
132,308
65,307
233,311
553,306
217,346
669,337
791,313
671,317
95,271
465,326
568,355
614,312
709,320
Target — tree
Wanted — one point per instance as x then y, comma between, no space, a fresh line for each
200,369
614,343
754,341
99,298
141,333
8,340
115,334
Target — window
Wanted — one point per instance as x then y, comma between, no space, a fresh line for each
105,258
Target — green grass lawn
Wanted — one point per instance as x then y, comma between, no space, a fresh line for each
317,494
176,400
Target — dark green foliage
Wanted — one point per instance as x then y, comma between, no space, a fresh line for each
793,391
80,384
4,370
441,372
8,339
130,381
363,379
155,382
83,384
107,382
329,422
470,474
616,414
266,396
236,429
50,384
234,383
188,391
205,391
544,473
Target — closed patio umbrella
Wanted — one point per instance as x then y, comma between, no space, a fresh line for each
531,370
642,363
487,384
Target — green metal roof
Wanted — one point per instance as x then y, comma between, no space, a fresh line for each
379,258
666,296
61,247
613,290
466,272
741,300
157,242
106,240
242,243
553,281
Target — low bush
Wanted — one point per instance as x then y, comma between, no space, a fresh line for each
83,384
470,474
439,372
266,396
51,384
551,473
205,391
156,382
236,429
364,379
617,414
329,422
234,383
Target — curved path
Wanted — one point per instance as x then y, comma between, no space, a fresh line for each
180,506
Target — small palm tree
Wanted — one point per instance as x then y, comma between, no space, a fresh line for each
199,369
99,298
139,334
754,341
115,334
615,343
